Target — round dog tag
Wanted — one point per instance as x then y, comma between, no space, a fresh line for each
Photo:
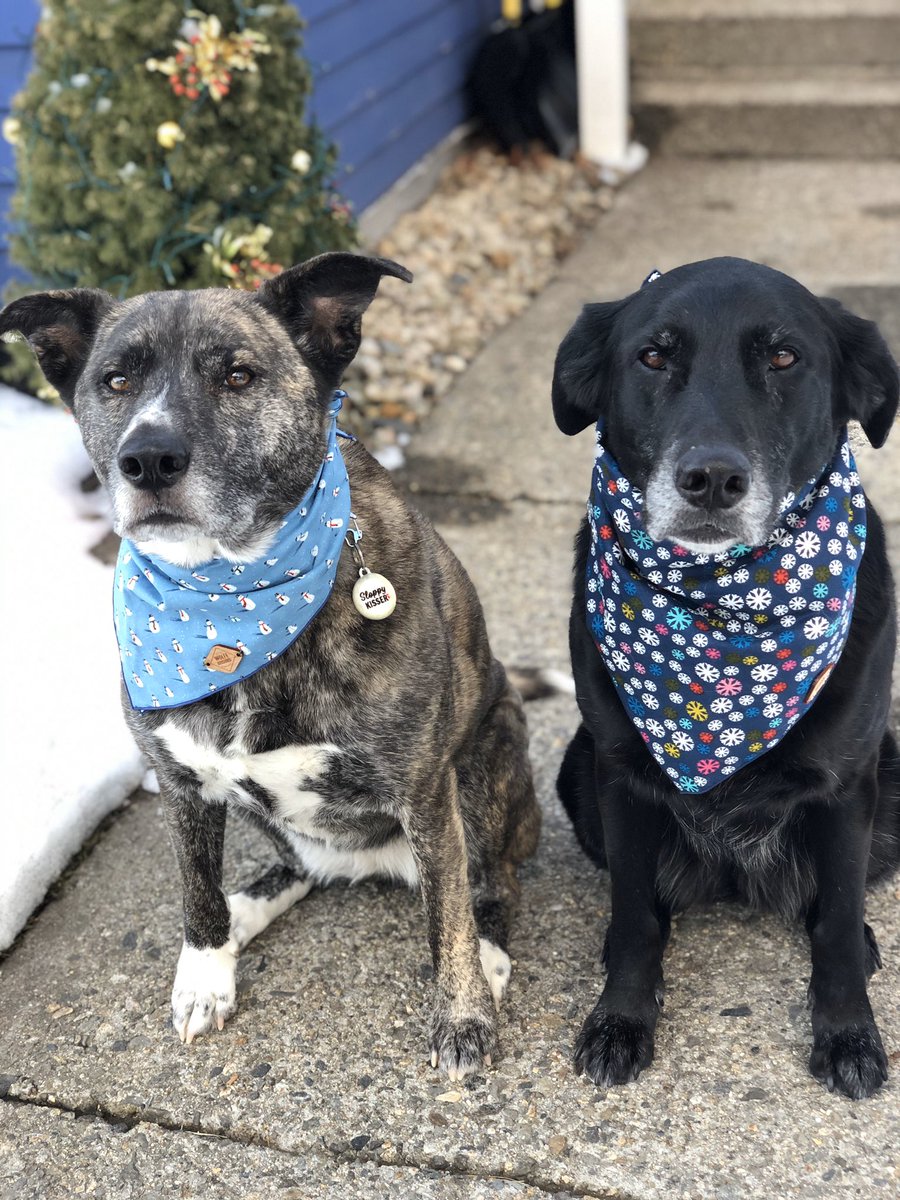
374,595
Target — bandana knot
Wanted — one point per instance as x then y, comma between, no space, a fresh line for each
716,657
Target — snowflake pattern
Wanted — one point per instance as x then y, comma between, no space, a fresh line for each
740,642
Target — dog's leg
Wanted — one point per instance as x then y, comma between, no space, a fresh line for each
503,824
616,1041
462,1024
847,1052
494,896
203,994
256,906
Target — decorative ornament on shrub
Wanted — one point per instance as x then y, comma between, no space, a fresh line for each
200,171
242,257
205,57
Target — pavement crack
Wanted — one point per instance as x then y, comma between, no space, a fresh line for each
545,1185
125,1119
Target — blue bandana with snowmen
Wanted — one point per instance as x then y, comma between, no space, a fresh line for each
184,634
716,657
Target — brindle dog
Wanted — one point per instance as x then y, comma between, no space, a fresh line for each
405,734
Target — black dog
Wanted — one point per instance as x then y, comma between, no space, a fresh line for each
722,387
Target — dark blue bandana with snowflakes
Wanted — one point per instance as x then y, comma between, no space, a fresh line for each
184,633
716,657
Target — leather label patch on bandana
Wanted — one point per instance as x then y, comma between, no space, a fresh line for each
223,658
716,657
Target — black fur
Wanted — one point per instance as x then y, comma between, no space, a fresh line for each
802,829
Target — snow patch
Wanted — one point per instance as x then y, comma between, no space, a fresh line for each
69,757
390,457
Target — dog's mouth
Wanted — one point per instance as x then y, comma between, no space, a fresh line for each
707,537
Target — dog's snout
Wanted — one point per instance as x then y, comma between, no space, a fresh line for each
712,478
153,459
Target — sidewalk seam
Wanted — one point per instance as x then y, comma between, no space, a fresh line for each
511,498
323,1152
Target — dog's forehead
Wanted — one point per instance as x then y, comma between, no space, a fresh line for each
195,321
725,295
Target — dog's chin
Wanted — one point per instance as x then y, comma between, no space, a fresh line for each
185,544
708,538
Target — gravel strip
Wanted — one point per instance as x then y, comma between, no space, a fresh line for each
486,241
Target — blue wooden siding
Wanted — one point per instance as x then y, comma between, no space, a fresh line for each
17,22
388,82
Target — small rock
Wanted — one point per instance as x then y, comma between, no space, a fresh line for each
755,1093
557,1144
741,1010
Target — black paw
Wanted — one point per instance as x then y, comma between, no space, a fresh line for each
849,1060
613,1048
462,1046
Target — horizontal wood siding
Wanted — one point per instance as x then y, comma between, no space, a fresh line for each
388,75
17,21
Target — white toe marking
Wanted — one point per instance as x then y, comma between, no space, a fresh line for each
250,915
203,994
496,967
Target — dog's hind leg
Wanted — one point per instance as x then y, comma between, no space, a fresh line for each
255,907
577,788
494,895
495,780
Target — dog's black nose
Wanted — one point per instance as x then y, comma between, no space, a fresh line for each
712,477
153,459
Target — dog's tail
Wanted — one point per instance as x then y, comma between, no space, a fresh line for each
535,683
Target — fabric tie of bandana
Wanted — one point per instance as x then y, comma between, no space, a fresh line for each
716,657
184,634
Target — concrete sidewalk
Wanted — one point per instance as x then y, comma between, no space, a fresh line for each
320,1086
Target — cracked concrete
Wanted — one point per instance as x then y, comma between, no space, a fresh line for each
320,1086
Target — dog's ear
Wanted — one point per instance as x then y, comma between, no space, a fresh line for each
582,374
866,380
322,302
60,328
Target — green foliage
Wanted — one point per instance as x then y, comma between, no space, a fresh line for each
218,195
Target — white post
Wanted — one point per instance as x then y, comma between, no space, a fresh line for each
601,38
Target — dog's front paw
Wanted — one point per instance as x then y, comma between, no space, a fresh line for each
203,994
613,1048
849,1060
462,1045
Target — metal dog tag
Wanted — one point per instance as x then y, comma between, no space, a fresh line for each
374,595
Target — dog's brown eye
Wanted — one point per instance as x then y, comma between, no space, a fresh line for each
653,359
783,358
118,383
238,378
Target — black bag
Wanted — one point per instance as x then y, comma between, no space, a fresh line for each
523,83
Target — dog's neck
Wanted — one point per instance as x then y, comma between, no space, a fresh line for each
716,657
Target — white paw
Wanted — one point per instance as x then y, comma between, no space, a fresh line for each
496,967
250,915
203,994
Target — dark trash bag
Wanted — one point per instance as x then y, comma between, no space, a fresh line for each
523,83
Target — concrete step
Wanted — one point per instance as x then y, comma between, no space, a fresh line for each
777,113
723,33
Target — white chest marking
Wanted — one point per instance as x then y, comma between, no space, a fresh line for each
288,774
